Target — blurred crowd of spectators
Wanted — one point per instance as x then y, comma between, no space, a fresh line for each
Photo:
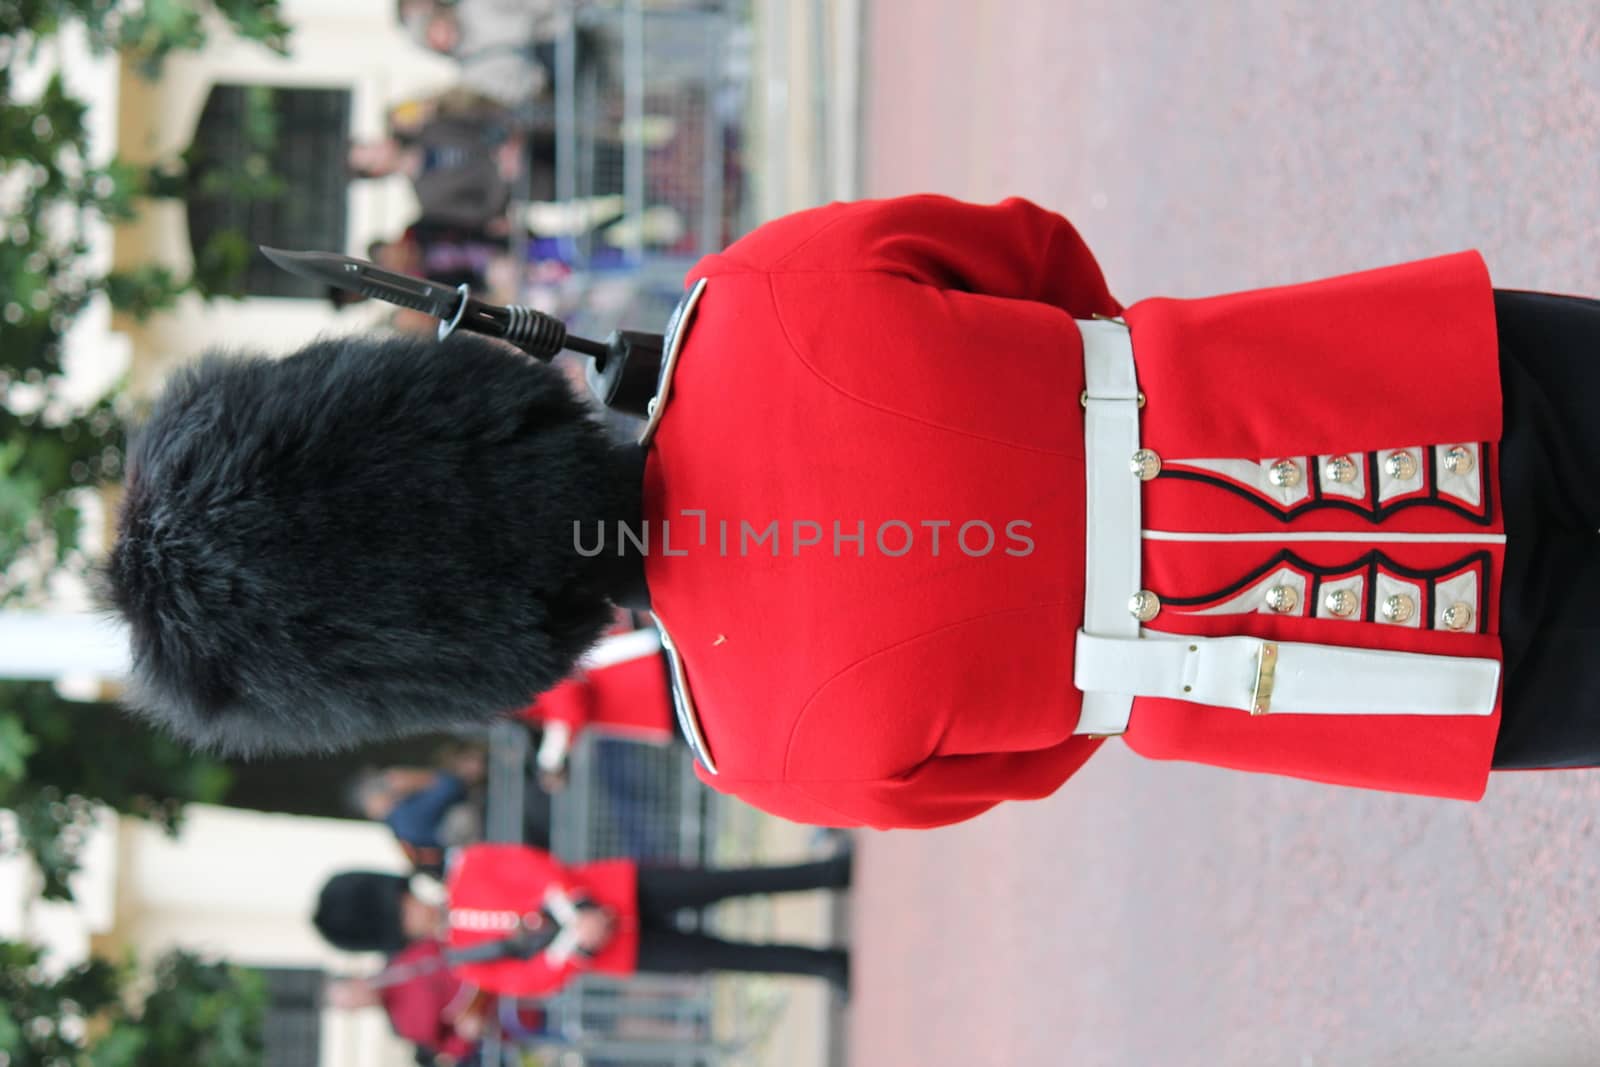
481,160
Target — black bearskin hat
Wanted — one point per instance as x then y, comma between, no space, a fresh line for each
369,538
360,911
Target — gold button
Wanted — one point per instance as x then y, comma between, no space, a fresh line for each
1341,469
1402,466
1285,474
1341,602
1283,598
1399,608
1146,464
1144,605
1459,460
1458,617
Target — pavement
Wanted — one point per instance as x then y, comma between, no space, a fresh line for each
1165,915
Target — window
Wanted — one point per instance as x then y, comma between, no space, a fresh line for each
248,135
293,1031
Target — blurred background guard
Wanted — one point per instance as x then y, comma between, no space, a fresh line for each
620,690
609,917
429,810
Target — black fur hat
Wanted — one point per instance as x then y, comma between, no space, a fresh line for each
360,911
369,538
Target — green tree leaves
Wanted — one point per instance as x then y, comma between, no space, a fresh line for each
59,758
185,1010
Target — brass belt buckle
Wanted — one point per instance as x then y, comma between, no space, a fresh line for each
1266,674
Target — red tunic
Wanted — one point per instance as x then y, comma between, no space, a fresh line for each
490,886
628,699
889,366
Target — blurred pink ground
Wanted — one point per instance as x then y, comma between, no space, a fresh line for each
1168,915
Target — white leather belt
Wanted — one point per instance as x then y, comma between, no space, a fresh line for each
1110,438
1114,662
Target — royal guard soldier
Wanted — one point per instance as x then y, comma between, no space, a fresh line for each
933,515
608,917
620,690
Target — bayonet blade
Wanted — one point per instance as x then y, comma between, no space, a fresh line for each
369,279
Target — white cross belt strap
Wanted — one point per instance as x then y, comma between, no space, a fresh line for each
622,647
1272,677
1114,664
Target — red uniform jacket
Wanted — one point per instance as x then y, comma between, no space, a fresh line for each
628,699
491,887
885,367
